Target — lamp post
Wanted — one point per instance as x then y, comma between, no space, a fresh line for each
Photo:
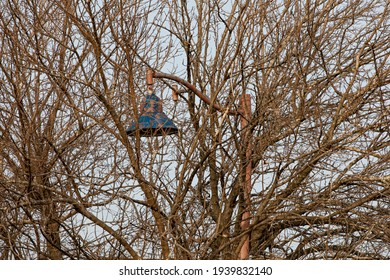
153,122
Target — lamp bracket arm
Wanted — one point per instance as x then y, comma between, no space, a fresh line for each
191,87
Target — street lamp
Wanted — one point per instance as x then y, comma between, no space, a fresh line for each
153,122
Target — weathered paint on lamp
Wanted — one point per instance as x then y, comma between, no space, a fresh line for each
152,120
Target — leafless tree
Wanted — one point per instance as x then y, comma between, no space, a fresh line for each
74,185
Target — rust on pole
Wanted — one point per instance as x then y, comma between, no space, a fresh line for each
245,107
149,80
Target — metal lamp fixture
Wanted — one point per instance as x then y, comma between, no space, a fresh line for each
152,120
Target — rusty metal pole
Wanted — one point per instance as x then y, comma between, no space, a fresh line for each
149,80
245,107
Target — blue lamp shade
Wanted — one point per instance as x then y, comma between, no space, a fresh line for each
152,120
